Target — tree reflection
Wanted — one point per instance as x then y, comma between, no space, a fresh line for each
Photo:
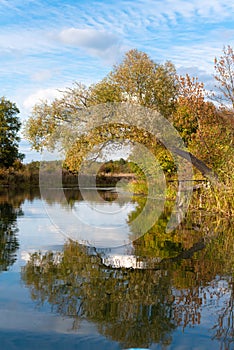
200,252
67,197
224,328
182,274
135,307
8,230
11,200
130,306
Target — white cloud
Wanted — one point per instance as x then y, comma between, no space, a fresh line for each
99,43
43,94
88,38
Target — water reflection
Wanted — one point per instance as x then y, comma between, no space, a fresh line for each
130,306
10,209
149,292
8,239
183,279
136,307
11,201
96,217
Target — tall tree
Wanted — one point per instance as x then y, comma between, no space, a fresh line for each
9,128
224,68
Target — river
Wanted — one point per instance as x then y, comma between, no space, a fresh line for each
78,270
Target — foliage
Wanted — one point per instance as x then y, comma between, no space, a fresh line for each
105,92
191,107
145,82
120,166
137,80
214,144
206,130
202,126
118,301
9,127
224,75
20,175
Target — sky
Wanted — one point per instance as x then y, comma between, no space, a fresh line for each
46,46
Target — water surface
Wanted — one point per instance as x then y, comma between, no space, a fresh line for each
158,291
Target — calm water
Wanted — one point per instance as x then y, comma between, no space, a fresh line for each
156,291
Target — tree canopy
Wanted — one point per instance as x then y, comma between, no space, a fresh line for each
9,128
138,80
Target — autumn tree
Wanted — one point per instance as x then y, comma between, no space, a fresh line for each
9,128
192,111
224,76
200,124
191,107
143,81
138,81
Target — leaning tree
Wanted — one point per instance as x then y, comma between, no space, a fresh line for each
137,81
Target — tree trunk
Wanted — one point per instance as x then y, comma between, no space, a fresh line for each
197,163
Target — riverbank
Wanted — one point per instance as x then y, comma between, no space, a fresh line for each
27,177
216,198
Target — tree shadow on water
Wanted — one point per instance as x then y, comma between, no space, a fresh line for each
9,242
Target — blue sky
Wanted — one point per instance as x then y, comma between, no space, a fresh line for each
47,45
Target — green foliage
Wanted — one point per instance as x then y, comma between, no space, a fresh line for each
138,187
167,164
9,127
